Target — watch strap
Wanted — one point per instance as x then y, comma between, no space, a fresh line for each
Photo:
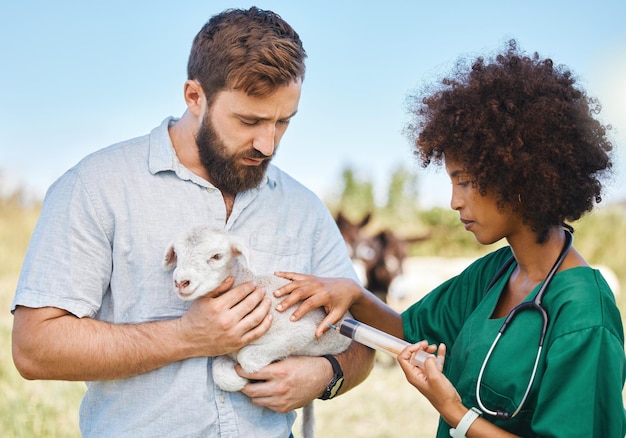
333,387
465,423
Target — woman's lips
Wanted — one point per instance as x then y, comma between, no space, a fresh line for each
467,223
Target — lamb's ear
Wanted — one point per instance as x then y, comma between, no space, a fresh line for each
169,261
239,248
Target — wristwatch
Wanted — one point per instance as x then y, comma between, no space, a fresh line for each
465,423
335,383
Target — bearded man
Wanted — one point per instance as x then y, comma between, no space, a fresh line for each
93,303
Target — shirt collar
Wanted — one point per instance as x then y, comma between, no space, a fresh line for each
162,156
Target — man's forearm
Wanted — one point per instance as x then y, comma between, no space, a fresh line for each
52,344
356,362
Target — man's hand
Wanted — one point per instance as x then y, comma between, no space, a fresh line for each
226,320
288,384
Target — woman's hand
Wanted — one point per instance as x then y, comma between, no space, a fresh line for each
430,380
335,295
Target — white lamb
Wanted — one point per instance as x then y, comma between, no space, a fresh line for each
206,256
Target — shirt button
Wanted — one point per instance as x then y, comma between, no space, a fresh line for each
222,399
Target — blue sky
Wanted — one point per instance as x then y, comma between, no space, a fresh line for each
77,76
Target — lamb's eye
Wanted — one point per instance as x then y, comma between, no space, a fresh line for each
215,257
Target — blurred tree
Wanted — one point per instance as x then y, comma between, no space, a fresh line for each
398,211
357,196
401,210
403,190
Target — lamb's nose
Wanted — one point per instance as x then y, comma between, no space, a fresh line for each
181,285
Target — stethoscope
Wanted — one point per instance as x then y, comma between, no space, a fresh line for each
535,304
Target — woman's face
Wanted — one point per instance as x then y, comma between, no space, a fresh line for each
479,214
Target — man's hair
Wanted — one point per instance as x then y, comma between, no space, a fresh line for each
524,131
251,50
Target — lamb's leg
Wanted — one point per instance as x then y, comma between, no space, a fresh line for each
308,421
253,357
225,376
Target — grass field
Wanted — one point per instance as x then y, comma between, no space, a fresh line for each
32,409
385,405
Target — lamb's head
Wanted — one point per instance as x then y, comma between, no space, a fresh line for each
203,258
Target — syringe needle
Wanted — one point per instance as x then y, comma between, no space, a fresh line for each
332,326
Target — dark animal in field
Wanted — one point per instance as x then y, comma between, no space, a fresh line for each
377,257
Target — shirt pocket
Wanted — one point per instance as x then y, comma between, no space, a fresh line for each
495,401
270,253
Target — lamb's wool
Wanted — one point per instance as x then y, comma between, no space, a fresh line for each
203,258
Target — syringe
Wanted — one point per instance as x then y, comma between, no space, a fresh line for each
378,339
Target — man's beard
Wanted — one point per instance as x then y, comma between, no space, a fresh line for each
224,171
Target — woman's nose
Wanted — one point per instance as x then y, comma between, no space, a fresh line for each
455,201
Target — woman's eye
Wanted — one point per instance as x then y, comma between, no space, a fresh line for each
462,181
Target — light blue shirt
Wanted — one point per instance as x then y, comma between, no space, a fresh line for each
97,252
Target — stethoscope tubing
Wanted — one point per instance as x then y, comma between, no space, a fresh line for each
535,304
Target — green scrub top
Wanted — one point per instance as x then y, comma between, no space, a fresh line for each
577,391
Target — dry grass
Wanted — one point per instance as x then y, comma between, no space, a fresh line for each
32,408
385,405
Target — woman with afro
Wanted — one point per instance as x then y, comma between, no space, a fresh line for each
525,156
